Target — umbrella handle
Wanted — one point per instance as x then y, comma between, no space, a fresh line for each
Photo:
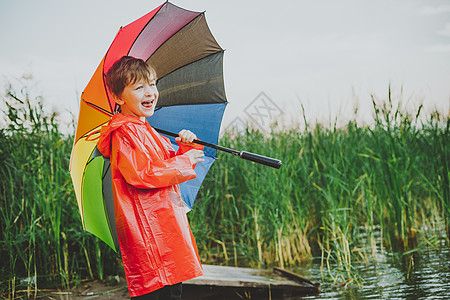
264,160
267,161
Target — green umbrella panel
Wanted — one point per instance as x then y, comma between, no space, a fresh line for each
98,205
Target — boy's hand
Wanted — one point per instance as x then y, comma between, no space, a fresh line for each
186,136
195,156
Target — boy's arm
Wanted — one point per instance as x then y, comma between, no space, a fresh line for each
145,170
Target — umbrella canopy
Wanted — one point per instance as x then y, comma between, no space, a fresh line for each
188,62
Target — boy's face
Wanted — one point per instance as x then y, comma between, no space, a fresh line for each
139,99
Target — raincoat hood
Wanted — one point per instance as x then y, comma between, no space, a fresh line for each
117,121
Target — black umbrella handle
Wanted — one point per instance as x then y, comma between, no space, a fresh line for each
264,160
267,161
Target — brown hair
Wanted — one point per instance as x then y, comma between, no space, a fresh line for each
128,70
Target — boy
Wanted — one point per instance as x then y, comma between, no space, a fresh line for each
156,243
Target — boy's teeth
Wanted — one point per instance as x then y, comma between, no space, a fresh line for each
147,103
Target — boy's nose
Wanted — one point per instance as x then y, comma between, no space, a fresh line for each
149,90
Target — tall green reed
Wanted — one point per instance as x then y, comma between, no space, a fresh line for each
338,190
40,228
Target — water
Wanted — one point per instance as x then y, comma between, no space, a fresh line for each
423,274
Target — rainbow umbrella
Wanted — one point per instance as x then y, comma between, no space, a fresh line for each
189,65
188,62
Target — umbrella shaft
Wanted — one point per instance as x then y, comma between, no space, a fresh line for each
237,153
271,162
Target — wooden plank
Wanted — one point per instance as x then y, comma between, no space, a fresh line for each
225,276
295,277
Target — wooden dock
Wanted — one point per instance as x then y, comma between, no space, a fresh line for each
221,282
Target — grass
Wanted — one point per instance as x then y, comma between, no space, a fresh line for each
338,191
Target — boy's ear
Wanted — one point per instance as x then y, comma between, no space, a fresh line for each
118,100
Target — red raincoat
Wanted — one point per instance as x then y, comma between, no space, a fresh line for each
156,243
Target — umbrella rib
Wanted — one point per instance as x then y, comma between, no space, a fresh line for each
190,85
198,103
106,112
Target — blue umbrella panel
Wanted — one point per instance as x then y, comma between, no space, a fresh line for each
202,119
193,98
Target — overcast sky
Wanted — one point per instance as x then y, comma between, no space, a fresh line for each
327,55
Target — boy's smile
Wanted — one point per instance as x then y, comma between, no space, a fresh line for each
139,99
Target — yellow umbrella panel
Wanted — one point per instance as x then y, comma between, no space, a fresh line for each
86,169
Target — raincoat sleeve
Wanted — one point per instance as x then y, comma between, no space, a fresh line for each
186,147
144,168
183,148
